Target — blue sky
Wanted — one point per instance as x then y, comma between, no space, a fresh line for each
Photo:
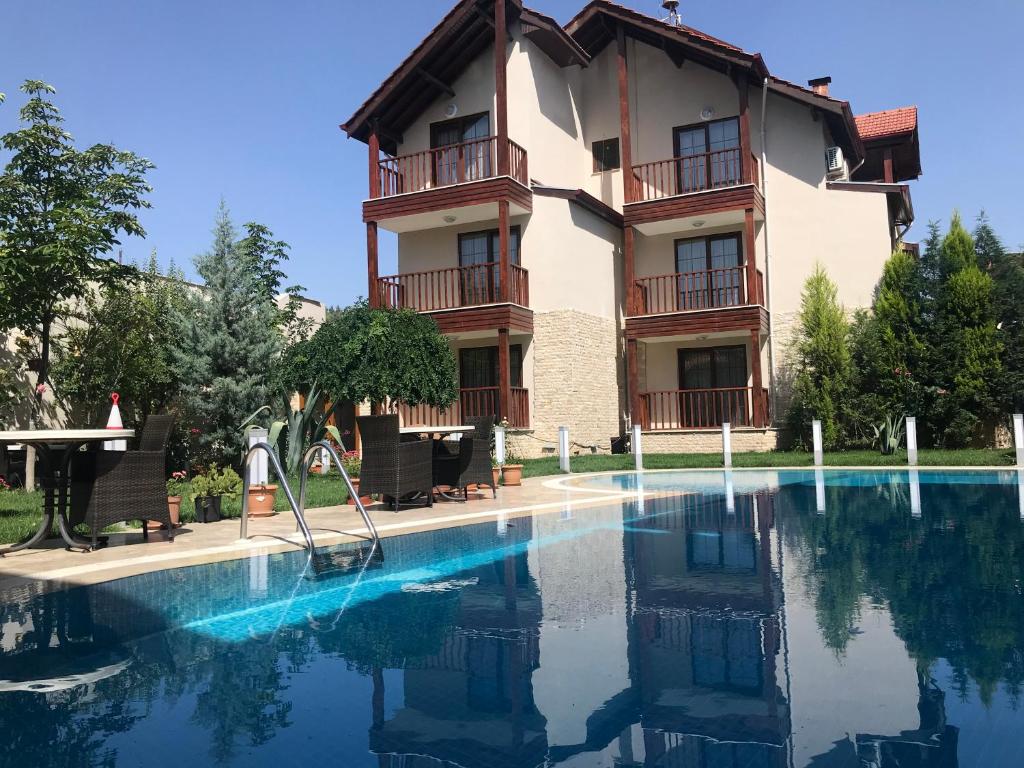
243,100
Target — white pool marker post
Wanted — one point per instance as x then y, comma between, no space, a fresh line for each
563,449
499,445
730,494
258,466
726,444
325,462
915,494
912,440
638,449
819,454
1018,437
819,491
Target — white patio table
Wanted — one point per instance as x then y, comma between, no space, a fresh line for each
56,474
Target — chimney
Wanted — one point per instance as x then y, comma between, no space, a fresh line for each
820,85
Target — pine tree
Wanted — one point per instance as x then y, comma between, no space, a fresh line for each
824,370
967,365
1007,272
228,343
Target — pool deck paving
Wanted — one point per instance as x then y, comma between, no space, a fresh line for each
127,554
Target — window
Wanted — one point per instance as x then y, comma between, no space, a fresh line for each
461,154
478,366
479,252
713,383
708,155
708,271
606,155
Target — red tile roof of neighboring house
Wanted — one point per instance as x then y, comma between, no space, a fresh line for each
891,122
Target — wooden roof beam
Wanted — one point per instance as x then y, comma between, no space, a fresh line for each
436,81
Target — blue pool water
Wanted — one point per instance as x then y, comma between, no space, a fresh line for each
776,619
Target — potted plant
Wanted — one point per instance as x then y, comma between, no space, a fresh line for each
177,485
495,472
261,499
512,472
209,487
350,461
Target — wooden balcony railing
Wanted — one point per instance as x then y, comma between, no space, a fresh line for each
453,164
693,173
472,403
698,408
685,291
453,287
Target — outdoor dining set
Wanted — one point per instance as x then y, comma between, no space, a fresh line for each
82,486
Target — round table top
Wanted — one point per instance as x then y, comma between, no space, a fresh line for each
64,435
426,429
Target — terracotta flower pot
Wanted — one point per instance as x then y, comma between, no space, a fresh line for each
367,500
174,508
512,474
261,500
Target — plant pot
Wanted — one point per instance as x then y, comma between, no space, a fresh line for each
174,509
365,499
208,509
512,474
496,475
261,500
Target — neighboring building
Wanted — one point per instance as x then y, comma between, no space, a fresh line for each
577,294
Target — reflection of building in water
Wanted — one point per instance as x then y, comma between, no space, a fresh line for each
471,702
707,634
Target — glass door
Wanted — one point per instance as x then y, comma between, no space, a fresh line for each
479,253
713,386
461,154
691,167
692,265
726,280
708,155
724,158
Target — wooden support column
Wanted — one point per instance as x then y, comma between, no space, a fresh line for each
750,248
504,256
633,382
373,291
625,140
890,176
504,376
374,165
629,269
501,86
745,154
755,376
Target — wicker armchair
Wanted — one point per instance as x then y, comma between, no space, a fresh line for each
116,486
471,464
12,466
391,468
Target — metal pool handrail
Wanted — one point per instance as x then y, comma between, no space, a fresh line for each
297,509
307,459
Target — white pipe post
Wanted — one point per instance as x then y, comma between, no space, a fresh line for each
819,454
915,494
563,449
1018,437
638,449
730,494
726,445
911,440
499,445
819,491
258,471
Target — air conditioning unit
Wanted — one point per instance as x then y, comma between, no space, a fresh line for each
834,160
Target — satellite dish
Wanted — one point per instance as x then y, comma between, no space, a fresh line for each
707,113
451,110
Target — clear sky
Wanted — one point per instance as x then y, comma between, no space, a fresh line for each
242,99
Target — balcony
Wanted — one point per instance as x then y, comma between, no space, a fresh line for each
695,185
472,403
693,291
453,288
474,174
701,408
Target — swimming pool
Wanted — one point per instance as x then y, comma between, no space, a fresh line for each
724,621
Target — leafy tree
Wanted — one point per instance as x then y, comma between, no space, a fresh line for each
1007,271
263,255
61,209
121,342
967,348
228,341
380,355
824,371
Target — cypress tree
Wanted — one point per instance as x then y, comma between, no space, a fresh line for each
229,342
1007,272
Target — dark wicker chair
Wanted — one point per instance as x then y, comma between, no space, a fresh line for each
470,464
117,486
390,467
12,466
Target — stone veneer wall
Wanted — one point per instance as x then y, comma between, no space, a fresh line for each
710,441
578,381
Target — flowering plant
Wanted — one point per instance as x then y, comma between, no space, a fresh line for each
350,461
4,485
177,484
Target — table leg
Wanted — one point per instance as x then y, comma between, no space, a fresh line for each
67,532
43,453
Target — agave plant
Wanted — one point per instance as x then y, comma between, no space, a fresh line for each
304,426
889,434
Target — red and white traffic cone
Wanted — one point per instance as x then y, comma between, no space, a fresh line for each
114,422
